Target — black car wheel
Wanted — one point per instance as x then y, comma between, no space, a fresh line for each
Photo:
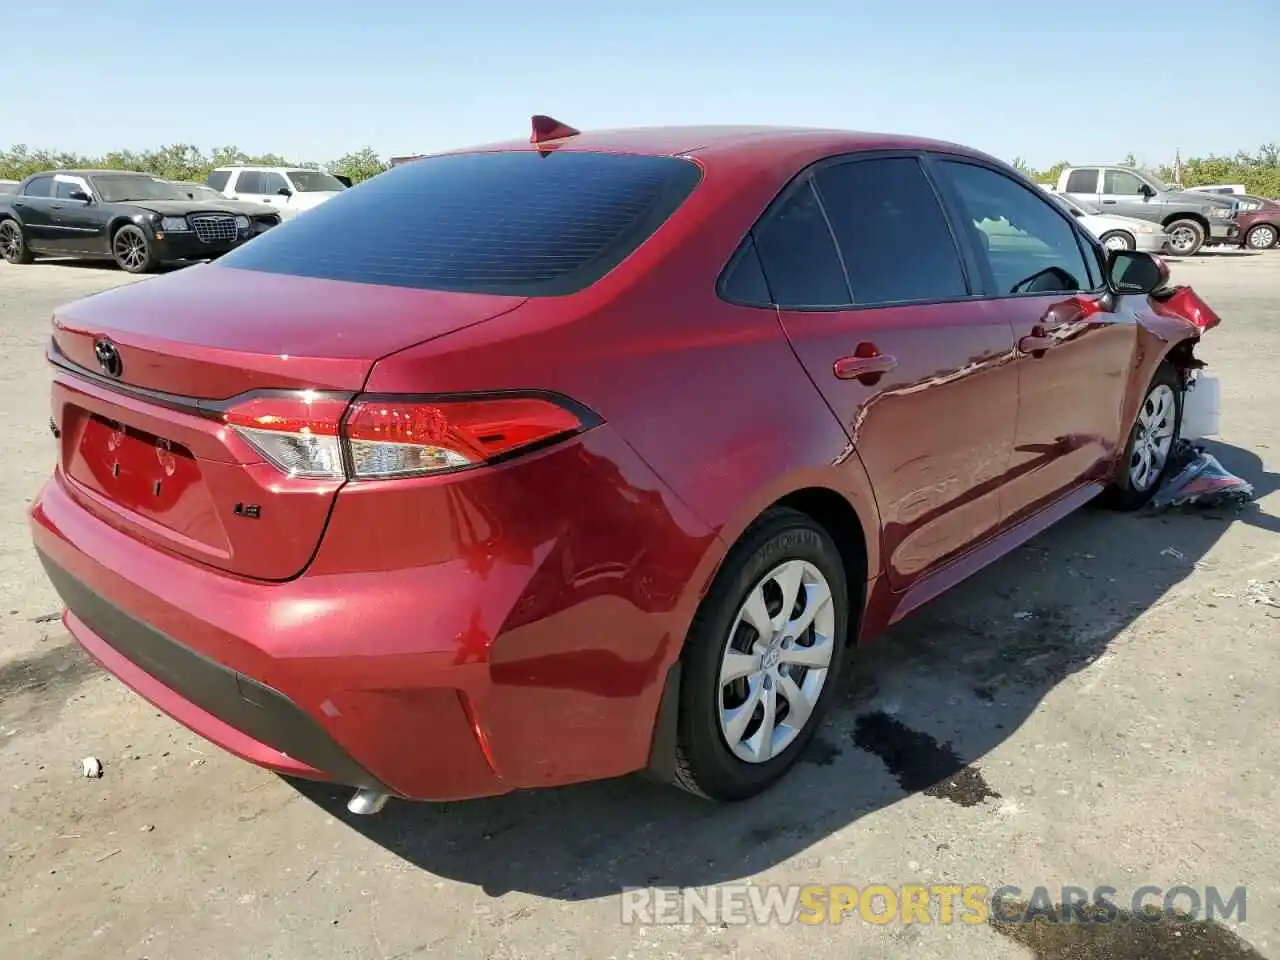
13,243
762,658
132,250
1261,237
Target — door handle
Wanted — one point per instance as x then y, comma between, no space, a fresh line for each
1109,201
866,365
1039,340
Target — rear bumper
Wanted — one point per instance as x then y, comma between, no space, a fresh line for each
419,654
238,713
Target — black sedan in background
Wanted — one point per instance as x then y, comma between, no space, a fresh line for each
137,220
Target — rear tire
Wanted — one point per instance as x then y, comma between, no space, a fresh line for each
13,242
132,250
1118,240
1261,237
1186,237
740,684
1151,441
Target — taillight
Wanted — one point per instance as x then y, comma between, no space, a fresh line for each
306,434
298,432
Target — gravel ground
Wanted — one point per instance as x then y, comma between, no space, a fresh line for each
1099,708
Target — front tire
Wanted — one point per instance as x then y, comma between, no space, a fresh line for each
762,657
13,242
132,250
1151,441
1261,237
1118,240
1186,237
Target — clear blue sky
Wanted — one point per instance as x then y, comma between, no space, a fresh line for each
313,79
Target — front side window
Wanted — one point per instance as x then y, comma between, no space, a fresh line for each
1028,244
65,188
1122,183
891,231
272,184
798,254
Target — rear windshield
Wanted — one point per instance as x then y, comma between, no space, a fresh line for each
518,223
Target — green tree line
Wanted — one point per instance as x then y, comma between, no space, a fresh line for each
181,161
1258,171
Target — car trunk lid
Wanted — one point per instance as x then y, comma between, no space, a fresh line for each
143,373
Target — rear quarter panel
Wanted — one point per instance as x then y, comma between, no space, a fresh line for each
709,394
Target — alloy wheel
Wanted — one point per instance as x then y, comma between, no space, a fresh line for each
1117,242
10,240
1262,237
1182,239
1152,437
130,249
776,661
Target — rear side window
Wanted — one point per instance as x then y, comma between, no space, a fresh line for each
249,181
39,187
218,179
1082,181
744,281
516,223
798,254
892,233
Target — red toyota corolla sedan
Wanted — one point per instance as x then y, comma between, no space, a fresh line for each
558,460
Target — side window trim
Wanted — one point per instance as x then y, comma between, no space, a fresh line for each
1075,228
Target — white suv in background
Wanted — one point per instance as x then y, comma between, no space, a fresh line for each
289,189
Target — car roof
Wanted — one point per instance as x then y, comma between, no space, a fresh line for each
95,173
723,141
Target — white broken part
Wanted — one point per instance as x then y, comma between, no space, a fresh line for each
91,767
1259,591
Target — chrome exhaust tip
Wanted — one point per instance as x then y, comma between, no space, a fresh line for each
365,801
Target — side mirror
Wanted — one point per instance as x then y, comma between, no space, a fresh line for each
1077,213
285,192
1147,191
81,196
1130,271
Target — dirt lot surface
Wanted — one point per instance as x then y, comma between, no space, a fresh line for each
1100,708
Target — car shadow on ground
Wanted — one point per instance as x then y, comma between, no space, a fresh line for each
111,266
916,713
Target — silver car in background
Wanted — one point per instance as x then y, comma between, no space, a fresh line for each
1116,233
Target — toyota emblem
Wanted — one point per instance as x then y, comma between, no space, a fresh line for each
108,358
